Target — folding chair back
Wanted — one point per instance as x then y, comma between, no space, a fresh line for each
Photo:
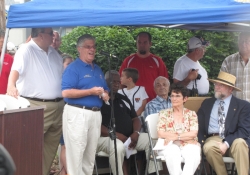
152,121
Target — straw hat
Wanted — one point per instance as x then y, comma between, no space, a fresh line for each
227,79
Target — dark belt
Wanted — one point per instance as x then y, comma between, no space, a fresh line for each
84,107
44,100
213,134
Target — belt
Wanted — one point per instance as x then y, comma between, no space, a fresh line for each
213,134
85,107
44,100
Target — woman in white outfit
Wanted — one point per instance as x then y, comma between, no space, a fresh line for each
178,127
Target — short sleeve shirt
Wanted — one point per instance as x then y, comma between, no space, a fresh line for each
123,115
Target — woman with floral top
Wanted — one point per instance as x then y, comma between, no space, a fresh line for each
178,127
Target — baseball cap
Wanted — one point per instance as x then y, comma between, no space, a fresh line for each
11,46
196,42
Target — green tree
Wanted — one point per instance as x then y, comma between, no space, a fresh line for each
169,44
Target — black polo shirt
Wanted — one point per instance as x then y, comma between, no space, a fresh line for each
123,115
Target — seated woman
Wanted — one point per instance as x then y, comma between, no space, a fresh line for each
178,127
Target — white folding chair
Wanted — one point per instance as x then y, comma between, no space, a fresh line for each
151,123
103,154
227,160
23,102
11,102
2,105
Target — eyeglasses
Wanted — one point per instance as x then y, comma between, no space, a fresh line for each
89,47
219,85
50,33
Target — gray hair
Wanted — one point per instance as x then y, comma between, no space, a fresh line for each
83,38
161,77
2,33
57,33
36,31
112,72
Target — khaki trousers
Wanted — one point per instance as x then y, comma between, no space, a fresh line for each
106,145
52,130
238,150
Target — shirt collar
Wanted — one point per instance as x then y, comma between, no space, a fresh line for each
32,42
160,99
226,100
85,64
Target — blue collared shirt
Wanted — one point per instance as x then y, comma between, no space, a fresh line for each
80,75
213,122
156,105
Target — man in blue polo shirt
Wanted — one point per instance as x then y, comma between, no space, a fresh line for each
83,88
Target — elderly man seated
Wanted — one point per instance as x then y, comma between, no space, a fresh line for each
162,100
127,125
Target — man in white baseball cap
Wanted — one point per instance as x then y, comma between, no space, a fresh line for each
11,48
189,72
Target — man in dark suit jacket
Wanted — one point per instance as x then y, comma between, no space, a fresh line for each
225,131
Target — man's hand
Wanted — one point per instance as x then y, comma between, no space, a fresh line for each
223,147
97,91
121,137
12,91
105,96
134,138
192,75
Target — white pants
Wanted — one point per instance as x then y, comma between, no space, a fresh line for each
81,131
106,145
173,155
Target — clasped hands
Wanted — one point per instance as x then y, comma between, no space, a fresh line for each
101,93
134,139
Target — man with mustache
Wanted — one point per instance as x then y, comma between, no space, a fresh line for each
224,126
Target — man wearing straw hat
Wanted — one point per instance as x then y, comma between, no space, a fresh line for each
224,126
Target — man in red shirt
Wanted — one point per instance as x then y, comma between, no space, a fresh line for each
6,67
148,65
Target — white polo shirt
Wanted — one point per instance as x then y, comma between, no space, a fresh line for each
40,74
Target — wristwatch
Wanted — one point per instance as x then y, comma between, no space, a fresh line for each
137,132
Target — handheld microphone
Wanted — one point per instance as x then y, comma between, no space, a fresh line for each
107,54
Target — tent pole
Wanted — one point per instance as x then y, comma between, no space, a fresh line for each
241,24
60,31
4,48
168,27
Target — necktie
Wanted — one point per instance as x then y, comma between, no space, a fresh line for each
221,114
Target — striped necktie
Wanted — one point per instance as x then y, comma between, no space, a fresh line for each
222,118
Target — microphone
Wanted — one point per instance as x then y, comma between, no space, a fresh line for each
107,54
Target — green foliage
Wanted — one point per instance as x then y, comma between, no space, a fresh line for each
169,44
